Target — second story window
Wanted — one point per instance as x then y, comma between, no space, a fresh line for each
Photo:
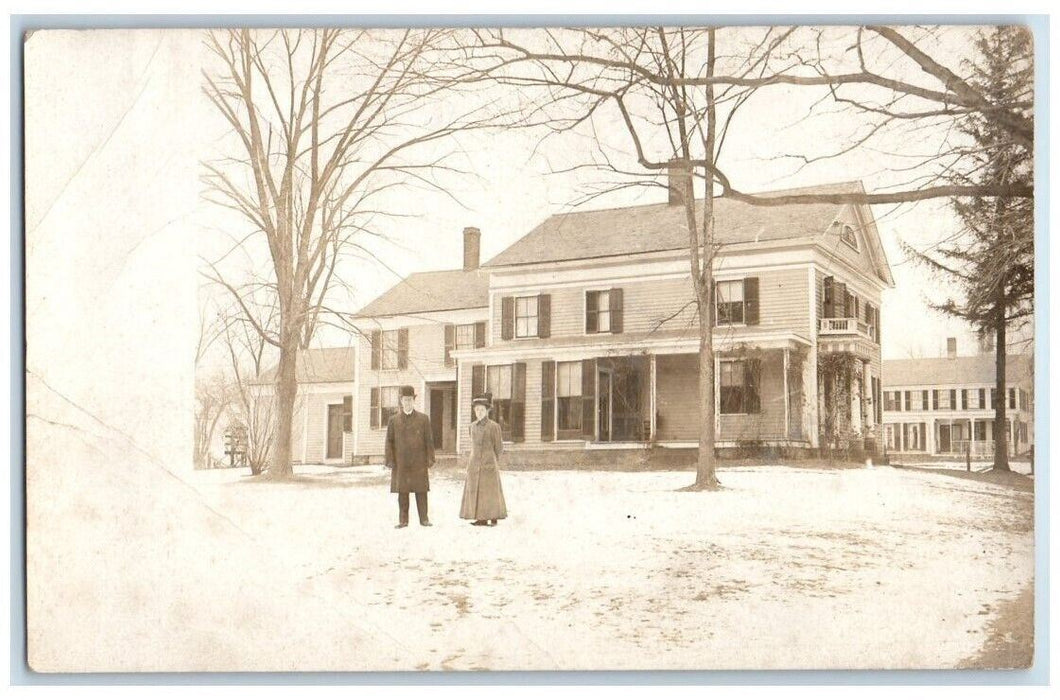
391,353
598,312
848,236
730,302
465,336
526,317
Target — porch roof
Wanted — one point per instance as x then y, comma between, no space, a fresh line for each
661,342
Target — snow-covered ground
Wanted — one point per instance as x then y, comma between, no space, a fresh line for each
784,568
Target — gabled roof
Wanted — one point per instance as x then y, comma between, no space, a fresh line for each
972,369
443,290
318,366
661,227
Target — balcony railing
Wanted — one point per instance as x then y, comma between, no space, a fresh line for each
845,326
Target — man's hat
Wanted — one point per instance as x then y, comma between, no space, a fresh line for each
485,399
407,390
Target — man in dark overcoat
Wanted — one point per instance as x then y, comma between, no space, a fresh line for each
409,453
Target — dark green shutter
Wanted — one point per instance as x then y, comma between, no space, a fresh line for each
373,417
507,318
450,343
953,399
403,348
829,297
478,384
377,349
616,303
519,402
934,400
544,315
589,399
750,301
548,400
480,334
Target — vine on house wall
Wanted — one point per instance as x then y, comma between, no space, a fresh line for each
837,373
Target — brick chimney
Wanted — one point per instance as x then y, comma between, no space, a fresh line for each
472,240
951,348
677,178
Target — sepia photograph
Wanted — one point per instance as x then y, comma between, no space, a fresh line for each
626,347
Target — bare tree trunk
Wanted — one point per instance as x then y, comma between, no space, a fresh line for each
706,465
286,392
1001,388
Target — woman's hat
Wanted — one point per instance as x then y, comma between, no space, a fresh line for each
485,399
408,391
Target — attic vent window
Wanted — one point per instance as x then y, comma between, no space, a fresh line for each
846,232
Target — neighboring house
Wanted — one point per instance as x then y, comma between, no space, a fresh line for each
409,336
322,431
945,405
591,339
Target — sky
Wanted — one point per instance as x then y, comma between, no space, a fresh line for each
120,127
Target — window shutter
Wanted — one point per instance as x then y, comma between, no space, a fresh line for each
377,349
507,318
480,334
840,300
964,399
347,414
373,417
450,343
616,304
934,400
544,315
982,398
478,384
953,399
908,401
592,304
752,383
750,301
829,297
589,399
519,402
403,348
548,400
924,400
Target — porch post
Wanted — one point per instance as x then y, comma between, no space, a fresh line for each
652,399
787,400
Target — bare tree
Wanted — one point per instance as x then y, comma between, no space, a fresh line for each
326,124
213,398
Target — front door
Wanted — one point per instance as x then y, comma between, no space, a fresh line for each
604,411
438,417
944,438
334,431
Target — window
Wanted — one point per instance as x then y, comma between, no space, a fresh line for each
386,403
391,349
499,383
465,336
945,404
979,430
569,396
730,302
598,312
993,398
848,236
739,387
888,401
526,317
914,401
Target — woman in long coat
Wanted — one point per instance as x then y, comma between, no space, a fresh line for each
483,501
